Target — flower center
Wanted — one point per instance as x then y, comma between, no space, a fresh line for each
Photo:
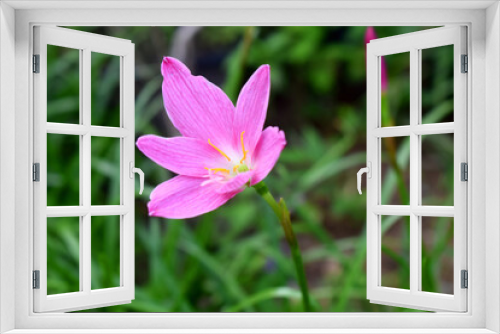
237,168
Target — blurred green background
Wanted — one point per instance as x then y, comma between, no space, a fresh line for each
235,258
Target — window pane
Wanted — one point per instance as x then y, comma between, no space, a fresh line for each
63,85
105,173
63,170
105,251
105,90
437,254
395,168
437,84
395,89
395,266
437,169
63,254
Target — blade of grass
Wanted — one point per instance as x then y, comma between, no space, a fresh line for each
352,269
281,292
229,283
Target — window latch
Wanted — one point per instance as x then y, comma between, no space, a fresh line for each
133,170
368,171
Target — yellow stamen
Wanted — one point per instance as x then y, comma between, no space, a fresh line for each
243,148
219,150
215,170
235,168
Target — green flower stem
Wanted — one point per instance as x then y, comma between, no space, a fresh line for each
283,215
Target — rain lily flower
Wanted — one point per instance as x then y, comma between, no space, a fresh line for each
223,149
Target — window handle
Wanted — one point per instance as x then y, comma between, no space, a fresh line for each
368,171
141,175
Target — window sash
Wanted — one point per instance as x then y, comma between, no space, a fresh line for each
413,43
86,43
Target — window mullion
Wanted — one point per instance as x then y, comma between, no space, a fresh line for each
85,166
127,155
81,181
415,267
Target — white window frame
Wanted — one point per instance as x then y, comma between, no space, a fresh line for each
16,21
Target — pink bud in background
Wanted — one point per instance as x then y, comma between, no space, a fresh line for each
369,35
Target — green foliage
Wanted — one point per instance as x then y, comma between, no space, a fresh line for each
236,259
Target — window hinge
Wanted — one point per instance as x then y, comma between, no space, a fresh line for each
465,64
464,279
464,171
36,279
36,63
36,172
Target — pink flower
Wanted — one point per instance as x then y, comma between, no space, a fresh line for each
223,149
369,35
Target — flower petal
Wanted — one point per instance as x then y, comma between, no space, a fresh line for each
236,184
268,150
181,155
184,197
196,107
251,108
